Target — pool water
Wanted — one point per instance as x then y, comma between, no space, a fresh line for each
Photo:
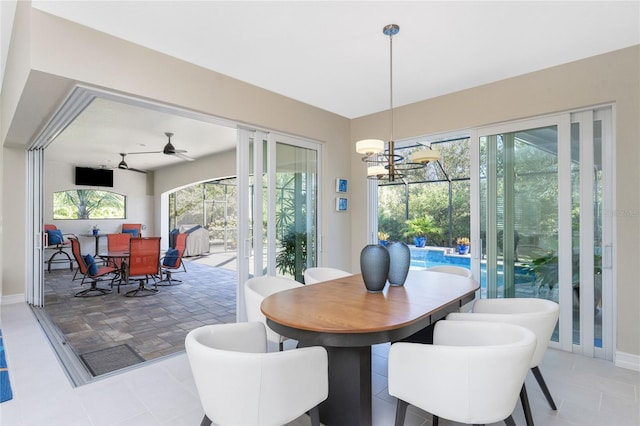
427,257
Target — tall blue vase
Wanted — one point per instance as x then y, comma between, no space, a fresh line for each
399,262
374,265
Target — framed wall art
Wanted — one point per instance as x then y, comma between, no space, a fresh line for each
341,204
341,185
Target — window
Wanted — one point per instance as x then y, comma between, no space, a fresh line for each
88,204
441,192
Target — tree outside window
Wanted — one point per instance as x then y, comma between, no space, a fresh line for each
88,204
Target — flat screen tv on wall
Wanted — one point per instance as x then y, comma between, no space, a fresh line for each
87,176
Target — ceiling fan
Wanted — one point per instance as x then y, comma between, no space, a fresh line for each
122,165
168,149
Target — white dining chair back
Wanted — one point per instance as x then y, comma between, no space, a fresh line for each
538,315
239,383
455,270
472,373
452,269
320,273
256,290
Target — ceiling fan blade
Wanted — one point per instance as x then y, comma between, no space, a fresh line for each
168,149
137,170
145,152
181,154
122,165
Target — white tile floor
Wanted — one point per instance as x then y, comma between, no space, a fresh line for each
587,391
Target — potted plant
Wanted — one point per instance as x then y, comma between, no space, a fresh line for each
95,230
383,238
463,245
419,228
292,259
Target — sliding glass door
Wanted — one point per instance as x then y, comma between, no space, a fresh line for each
34,289
278,223
542,228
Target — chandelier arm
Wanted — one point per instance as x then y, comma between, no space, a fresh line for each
407,165
382,159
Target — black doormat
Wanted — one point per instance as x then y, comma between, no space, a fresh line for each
111,359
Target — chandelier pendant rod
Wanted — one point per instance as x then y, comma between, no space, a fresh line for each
391,30
386,164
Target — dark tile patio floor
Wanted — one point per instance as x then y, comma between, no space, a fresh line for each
154,326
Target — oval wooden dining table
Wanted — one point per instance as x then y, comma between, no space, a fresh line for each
343,317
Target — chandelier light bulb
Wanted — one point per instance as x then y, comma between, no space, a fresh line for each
369,146
425,155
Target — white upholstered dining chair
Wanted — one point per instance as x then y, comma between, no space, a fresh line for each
452,269
538,315
256,289
321,273
456,270
240,383
472,373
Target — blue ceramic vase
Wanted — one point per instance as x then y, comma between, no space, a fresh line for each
399,262
374,265
420,241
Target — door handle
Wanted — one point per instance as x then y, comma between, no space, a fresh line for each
607,258
247,248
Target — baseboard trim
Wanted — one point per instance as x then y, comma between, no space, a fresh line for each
12,299
627,360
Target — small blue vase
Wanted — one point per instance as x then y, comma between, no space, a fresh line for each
399,262
374,265
420,241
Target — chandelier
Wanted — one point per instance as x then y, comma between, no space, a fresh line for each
387,165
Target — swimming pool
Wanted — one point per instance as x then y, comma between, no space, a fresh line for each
435,256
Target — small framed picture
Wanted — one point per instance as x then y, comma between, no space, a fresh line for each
341,185
341,204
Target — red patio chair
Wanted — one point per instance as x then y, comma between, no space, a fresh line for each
135,229
91,272
144,264
172,261
58,241
118,242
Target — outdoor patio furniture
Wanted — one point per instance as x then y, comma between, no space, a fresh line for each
172,262
56,240
91,272
143,265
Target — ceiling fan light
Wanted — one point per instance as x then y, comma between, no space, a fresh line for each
369,146
169,149
425,155
122,165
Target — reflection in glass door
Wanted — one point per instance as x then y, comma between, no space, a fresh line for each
296,204
542,226
519,210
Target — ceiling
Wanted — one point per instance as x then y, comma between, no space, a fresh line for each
333,55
